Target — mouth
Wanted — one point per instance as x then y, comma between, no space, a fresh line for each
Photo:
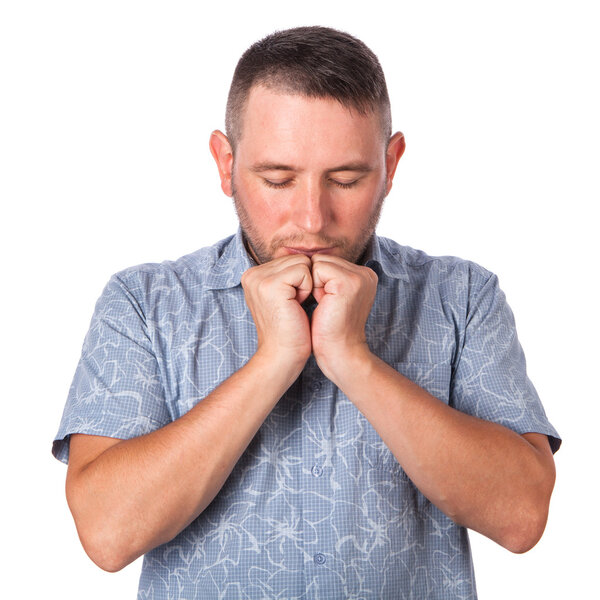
309,251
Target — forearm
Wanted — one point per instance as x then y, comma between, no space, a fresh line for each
481,474
140,493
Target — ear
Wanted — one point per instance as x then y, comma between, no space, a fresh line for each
221,150
394,152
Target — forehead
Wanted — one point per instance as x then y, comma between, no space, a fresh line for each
288,126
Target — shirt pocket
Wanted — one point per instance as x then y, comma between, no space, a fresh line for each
435,379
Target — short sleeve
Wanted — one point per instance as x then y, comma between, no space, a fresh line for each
490,376
117,390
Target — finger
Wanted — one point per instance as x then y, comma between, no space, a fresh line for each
334,277
324,271
326,275
300,278
289,270
283,262
296,271
351,269
338,260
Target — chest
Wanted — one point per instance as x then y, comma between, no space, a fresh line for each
211,336
316,495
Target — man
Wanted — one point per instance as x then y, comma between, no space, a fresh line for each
305,410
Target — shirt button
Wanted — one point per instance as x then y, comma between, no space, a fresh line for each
316,386
317,471
320,559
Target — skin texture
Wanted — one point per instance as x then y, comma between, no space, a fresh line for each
331,170
332,176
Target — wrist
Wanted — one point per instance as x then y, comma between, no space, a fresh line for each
275,365
345,367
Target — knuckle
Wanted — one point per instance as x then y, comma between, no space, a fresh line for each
369,274
306,268
262,286
355,279
248,274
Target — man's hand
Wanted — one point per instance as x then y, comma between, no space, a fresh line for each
345,293
274,292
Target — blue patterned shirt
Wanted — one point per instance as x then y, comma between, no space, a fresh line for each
317,507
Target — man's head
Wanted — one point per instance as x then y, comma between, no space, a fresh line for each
316,62
308,158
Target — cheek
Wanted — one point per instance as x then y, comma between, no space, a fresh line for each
267,216
356,211
260,200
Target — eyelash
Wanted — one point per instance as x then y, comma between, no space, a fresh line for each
284,184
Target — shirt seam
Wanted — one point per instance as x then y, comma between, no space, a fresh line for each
159,365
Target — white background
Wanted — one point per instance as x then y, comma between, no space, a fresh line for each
105,113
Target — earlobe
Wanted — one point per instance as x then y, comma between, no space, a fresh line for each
221,150
394,152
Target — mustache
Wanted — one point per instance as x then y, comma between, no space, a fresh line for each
300,239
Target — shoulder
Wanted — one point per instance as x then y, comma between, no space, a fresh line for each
193,271
419,266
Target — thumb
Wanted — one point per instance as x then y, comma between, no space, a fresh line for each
304,288
318,293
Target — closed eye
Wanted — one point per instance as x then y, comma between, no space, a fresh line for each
344,186
276,185
284,184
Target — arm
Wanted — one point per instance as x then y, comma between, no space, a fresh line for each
481,474
129,496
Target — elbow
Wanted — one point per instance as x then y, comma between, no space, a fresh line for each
105,556
525,534
103,547
100,538
529,519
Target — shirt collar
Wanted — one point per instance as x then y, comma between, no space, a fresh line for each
227,269
384,257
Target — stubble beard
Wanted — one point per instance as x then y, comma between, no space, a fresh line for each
263,251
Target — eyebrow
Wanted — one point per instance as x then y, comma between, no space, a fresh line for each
359,167
267,166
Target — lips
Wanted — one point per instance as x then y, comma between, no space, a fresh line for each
309,251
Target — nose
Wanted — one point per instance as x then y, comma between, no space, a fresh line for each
311,212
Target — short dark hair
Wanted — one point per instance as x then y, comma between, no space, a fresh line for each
317,62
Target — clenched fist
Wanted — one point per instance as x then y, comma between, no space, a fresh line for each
344,292
274,293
